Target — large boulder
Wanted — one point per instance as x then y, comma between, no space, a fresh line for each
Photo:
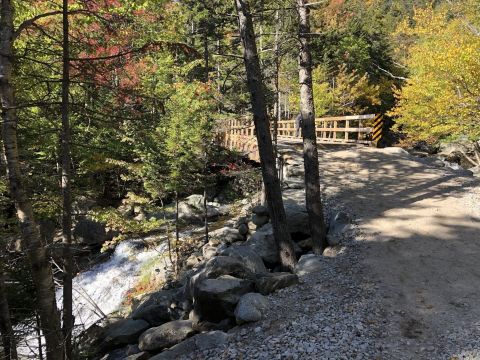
209,250
215,299
339,224
309,264
187,212
155,315
199,342
297,217
262,242
195,201
270,282
162,306
226,235
218,266
260,210
123,332
250,308
166,335
90,232
249,257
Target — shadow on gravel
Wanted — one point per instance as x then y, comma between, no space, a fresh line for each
423,243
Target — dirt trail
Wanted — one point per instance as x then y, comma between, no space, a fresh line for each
420,232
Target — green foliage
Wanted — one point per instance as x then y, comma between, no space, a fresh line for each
440,100
123,225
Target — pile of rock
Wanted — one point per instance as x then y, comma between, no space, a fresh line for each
225,285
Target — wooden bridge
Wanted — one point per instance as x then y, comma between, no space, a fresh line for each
239,134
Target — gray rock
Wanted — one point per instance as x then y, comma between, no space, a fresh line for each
250,308
475,171
215,299
194,260
225,235
90,232
218,266
155,315
187,212
195,201
173,299
249,258
243,229
166,335
268,283
294,169
263,244
305,244
140,356
260,210
309,264
260,220
199,342
124,332
339,224
209,250
297,217
140,217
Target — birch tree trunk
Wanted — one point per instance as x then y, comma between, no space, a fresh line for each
68,320
310,152
41,269
264,139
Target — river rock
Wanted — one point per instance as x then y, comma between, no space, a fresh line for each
250,308
260,220
475,171
263,244
140,356
187,212
195,201
270,282
166,335
199,342
90,232
243,229
260,210
155,315
209,250
338,225
249,258
215,299
225,235
194,260
297,217
218,266
309,264
124,332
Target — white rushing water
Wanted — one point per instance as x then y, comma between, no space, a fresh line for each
102,289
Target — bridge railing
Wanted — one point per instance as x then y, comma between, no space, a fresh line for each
239,134
358,129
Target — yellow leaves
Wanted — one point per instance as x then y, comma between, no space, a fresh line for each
442,96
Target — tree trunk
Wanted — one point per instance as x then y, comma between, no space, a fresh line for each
8,338
177,235
68,319
264,139
310,152
41,269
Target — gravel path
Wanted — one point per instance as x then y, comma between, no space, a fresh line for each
405,284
